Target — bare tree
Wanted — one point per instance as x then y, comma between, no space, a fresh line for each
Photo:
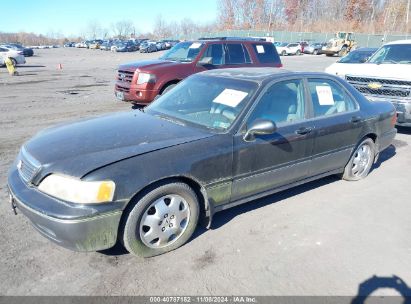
122,29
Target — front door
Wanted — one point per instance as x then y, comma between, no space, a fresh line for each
271,161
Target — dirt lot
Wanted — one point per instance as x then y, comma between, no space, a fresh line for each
323,238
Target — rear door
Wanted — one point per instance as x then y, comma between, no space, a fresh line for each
271,161
337,123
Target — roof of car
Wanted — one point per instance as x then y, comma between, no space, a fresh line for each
399,42
256,74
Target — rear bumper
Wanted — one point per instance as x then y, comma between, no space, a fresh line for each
385,139
80,228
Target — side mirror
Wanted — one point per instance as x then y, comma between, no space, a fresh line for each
260,127
205,61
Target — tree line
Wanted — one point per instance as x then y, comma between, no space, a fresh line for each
366,16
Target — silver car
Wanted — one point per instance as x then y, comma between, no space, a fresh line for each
15,56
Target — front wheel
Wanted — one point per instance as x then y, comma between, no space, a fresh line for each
162,220
14,62
361,161
283,53
315,52
298,53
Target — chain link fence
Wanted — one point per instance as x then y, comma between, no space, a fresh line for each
363,40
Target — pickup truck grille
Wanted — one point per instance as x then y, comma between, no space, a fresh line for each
380,87
28,166
125,76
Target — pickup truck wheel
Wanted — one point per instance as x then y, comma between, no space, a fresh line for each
361,161
162,220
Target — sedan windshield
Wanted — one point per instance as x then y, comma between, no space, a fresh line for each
183,52
208,102
395,53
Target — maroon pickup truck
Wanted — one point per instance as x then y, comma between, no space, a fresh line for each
140,82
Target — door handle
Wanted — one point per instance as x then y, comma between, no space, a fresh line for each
356,119
303,130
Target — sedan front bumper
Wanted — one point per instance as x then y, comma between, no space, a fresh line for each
80,228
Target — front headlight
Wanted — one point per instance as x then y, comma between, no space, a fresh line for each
145,78
78,191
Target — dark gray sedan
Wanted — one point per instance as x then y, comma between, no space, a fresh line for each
218,139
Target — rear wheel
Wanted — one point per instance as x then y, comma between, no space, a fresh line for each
162,220
315,52
283,53
361,161
14,61
298,52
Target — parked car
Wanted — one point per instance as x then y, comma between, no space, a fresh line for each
148,47
314,48
281,48
124,46
289,49
16,57
140,82
215,141
160,45
345,64
106,45
27,52
303,45
69,44
386,76
81,44
95,44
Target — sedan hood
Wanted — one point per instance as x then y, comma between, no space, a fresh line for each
148,64
78,148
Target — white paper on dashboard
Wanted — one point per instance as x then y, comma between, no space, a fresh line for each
325,95
260,49
195,45
230,97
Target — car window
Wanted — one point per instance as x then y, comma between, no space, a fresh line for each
235,54
329,98
266,53
3,50
282,102
216,52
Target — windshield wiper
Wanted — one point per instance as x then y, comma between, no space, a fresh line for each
170,119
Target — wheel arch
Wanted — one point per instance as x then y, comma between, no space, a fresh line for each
168,83
206,210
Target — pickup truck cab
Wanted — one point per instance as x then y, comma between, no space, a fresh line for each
387,76
140,82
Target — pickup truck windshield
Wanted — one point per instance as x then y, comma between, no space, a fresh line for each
183,51
207,102
394,54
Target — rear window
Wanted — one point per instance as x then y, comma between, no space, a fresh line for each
266,53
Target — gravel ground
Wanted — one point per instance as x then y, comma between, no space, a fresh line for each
323,238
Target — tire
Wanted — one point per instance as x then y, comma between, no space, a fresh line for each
315,52
361,161
298,53
329,55
283,53
159,211
14,61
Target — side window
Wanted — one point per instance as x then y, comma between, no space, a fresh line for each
266,53
216,52
236,54
3,50
282,102
329,98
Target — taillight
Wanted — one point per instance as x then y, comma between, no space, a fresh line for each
278,65
394,120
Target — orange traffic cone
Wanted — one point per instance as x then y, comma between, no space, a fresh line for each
59,67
